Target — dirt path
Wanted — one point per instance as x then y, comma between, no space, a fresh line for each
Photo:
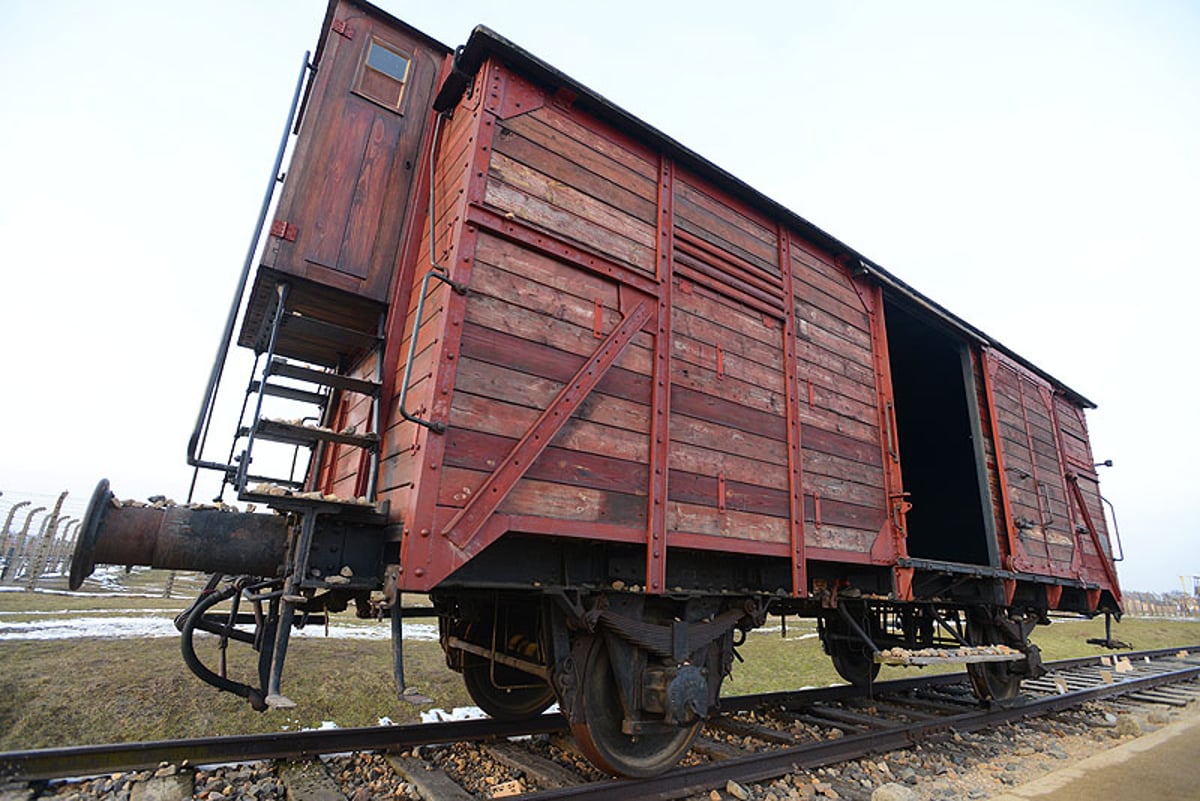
1163,765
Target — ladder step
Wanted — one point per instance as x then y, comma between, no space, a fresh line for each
291,393
307,436
286,483
964,655
314,340
294,501
286,369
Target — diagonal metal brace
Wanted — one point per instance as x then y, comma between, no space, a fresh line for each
849,620
467,523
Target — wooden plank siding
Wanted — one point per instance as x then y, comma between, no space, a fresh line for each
727,376
550,315
537,202
568,190
996,486
1078,461
840,434
631,348
1043,518
409,450
536,311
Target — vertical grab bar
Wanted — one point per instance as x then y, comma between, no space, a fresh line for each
436,427
437,271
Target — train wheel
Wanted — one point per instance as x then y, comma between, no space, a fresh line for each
994,681
851,658
505,693
600,735
991,681
853,663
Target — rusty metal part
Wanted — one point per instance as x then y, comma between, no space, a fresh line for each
602,730
770,764
504,659
91,760
176,538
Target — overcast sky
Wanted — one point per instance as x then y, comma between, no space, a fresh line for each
1033,166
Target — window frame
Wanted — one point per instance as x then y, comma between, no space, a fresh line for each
363,67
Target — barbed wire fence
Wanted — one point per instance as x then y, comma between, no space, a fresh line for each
1161,604
40,530
38,538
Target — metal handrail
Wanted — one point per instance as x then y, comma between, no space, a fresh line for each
200,433
434,426
441,273
1112,511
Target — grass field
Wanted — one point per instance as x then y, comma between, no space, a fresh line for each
76,691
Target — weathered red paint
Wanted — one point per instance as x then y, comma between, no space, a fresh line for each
776,369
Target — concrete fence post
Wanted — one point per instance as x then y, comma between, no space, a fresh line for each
8,524
54,554
63,546
19,545
41,547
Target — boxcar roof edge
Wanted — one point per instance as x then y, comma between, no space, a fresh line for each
374,11
485,42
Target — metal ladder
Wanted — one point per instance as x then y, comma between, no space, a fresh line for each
318,432
315,515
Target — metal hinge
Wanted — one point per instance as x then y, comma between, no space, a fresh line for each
282,229
340,26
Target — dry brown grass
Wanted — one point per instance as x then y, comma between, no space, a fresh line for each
68,692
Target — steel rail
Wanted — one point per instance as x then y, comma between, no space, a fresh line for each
790,698
772,764
92,760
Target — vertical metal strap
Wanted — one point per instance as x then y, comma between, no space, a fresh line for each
660,376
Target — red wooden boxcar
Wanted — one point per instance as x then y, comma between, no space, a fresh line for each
609,406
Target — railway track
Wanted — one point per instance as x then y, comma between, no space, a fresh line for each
757,738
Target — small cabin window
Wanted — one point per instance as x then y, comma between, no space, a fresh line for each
383,75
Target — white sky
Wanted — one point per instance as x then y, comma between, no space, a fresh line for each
1033,166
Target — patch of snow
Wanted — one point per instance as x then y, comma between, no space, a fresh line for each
88,612
777,629
425,632
147,626
439,715
83,594
119,627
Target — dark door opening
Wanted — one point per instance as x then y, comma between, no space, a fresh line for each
937,421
